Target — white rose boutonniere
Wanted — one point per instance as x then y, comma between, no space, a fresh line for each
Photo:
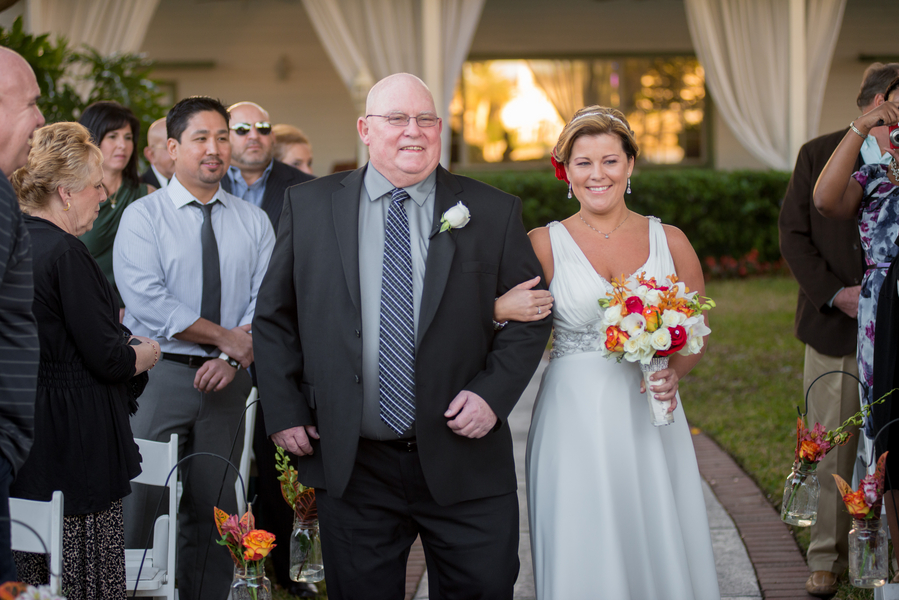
455,218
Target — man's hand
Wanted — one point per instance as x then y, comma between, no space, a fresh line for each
238,344
214,376
296,439
847,300
473,416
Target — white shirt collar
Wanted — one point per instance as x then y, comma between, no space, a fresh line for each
179,195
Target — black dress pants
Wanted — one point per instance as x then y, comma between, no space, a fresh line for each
471,548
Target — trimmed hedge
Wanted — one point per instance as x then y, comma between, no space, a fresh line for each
723,213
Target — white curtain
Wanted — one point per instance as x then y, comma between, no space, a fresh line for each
823,22
370,39
107,25
565,83
744,47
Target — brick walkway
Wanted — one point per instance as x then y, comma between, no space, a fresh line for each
779,564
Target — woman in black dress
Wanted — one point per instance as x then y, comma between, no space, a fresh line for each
82,437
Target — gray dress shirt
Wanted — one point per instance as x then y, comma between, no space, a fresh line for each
374,202
158,262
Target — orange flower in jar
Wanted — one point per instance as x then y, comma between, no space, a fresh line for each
811,451
615,339
258,543
856,505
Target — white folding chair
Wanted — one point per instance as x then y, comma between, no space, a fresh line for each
157,570
247,454
46,520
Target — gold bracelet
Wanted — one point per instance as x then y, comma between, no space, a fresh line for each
855,129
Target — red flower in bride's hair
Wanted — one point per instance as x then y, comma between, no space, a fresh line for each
561,175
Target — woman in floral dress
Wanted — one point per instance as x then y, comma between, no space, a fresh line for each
871,195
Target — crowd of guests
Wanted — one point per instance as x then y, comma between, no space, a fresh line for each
71,413
395,406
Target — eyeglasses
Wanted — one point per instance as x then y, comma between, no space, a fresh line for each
401,120
263,127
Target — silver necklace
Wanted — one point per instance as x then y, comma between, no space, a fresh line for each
606,235
894,168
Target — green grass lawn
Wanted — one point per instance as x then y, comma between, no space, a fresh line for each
745,391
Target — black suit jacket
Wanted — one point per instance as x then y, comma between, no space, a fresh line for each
308,326
282,177
824,255
149,177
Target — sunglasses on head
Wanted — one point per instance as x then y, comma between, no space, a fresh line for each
263,127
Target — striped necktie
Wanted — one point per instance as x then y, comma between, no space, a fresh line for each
396,353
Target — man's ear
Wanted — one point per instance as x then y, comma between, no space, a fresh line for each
172,146
362,128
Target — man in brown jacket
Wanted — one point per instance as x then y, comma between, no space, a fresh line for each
828,262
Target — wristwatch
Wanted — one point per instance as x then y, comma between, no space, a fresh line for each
230,361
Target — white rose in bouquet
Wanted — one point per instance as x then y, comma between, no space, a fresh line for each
673,318
661,339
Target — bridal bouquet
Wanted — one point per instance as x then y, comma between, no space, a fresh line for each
646,322
867,541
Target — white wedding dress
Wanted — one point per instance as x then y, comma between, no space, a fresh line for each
615,505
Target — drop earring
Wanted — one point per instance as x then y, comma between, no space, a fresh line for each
569,189
628,185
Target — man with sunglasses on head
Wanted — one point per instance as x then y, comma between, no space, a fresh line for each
259,179
255,175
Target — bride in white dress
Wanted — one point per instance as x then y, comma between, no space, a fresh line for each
615,505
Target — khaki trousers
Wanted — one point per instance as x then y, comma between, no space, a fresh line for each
833,399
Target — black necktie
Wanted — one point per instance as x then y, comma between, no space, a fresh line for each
396,352
211,303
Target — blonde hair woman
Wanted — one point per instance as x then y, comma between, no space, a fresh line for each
82,436
611,499
293,148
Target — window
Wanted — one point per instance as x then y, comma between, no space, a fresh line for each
512,111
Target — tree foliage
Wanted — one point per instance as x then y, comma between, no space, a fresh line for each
71,80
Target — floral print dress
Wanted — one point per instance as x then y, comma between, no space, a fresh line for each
878,226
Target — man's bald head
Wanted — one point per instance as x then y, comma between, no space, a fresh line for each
156,152
19,113
375,97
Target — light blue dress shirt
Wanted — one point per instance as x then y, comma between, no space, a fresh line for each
158,262
250,193
871,154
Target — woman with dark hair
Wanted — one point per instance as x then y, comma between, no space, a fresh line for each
83,443
115,130
612,500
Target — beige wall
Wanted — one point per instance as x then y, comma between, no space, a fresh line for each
245,39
